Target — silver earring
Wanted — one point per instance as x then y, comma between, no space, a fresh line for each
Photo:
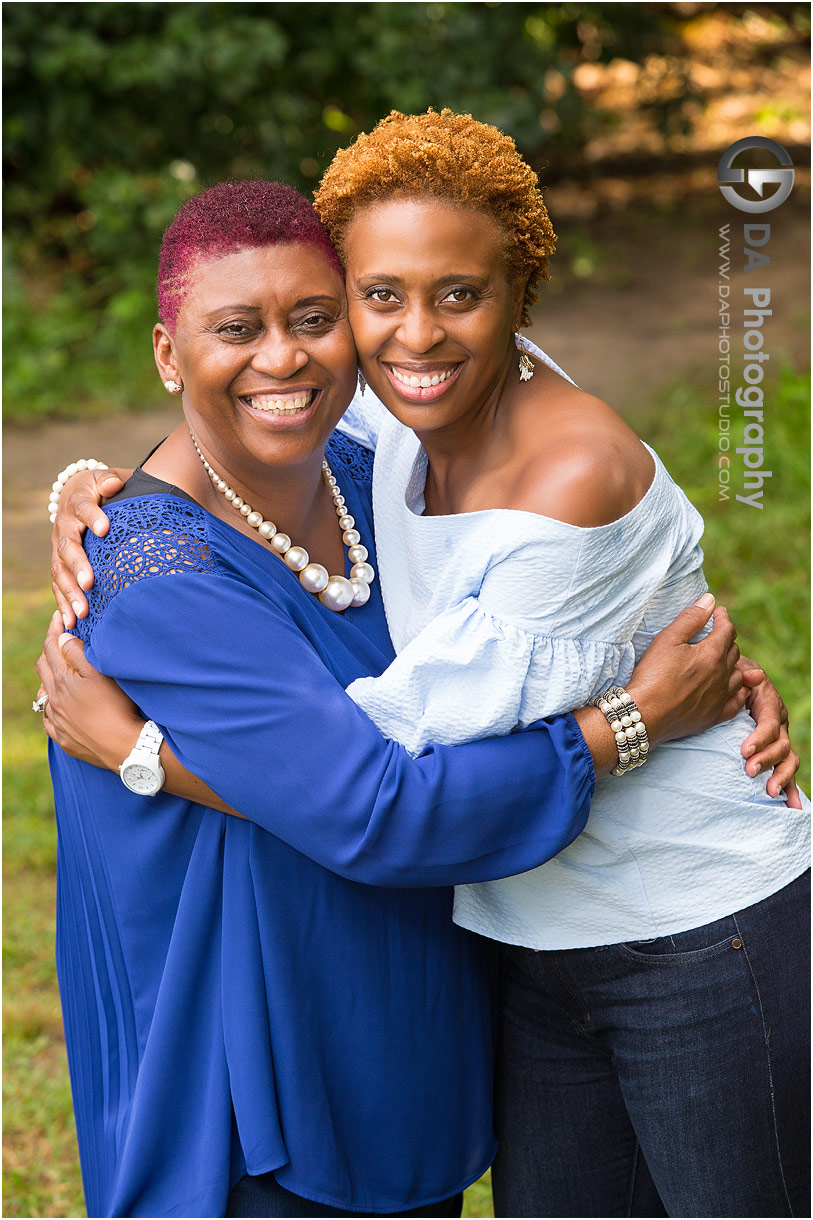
174,387
526,366
362,385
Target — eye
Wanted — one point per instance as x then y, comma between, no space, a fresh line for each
381,294
461,295
235,330
316,321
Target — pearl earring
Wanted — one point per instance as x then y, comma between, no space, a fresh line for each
174,387
526,367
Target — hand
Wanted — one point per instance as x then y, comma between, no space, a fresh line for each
682,688
88,715
79,509
769,745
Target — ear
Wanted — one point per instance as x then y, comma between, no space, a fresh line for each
518,301
163,346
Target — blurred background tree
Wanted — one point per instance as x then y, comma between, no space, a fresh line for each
116,112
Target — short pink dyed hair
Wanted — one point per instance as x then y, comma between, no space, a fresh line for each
228,217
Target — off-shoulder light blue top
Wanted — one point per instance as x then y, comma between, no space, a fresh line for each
500,617
287,993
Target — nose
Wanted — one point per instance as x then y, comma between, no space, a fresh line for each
279,354
419,328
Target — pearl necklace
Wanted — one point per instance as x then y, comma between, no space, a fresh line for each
335,592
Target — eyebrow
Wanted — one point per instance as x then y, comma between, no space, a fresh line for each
305,301
442,279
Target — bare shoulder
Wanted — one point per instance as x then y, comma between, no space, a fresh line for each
585,466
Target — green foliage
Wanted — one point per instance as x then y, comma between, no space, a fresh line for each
110,107
757,562
114,113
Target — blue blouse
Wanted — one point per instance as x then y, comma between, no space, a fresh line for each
287,993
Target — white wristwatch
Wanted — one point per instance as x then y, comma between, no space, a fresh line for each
141,771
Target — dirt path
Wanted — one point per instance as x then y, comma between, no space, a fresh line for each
648,315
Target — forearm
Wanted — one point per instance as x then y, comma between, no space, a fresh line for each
599,739
181,782
278,739
118,739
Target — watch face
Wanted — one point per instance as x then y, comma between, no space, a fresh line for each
140,779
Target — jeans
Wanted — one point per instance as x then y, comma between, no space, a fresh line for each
664,1077
263,1196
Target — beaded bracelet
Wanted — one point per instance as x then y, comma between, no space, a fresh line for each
62,478
625,721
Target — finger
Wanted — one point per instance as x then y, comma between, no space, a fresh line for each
72,652
54,629
59,657
721,611
792,798
44,665
98,521
692,619
64,608
723,630
44,671
50,647
70,553
732,657
83,504
735,684
71,573
783,774
766,700
753,673
771,717
773,755
735,703
768,731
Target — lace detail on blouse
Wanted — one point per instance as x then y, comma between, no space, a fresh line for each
148,536
341,450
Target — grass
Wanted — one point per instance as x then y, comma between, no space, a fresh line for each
41,1170
756,562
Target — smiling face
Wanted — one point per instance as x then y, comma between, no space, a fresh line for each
432,309
263,348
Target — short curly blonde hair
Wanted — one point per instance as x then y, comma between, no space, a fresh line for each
452,157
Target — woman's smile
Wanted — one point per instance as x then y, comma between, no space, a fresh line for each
282,409
421,383
291,403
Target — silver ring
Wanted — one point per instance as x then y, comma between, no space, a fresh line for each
39,704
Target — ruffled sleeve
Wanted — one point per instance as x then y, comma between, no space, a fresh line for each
470,675
554,621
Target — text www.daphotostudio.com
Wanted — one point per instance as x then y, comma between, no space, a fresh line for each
749,249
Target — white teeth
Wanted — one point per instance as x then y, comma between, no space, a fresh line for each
281,406
421,382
